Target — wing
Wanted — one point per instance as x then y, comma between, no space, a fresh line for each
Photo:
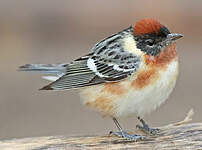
77,75
96,69
114,65
108,62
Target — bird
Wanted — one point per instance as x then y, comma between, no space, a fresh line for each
129,73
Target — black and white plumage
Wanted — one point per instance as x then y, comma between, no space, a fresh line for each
108,62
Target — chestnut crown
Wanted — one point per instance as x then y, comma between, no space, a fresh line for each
152,37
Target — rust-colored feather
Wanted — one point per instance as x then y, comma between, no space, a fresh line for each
146,26
163,58
145,78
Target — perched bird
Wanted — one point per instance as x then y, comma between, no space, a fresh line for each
128,73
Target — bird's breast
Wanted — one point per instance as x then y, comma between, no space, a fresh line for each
148,91
139,94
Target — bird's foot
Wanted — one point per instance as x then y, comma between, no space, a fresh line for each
145,128
132,137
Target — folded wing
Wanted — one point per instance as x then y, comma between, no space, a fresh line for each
96,69
108,62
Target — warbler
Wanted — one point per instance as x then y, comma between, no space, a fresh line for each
129,73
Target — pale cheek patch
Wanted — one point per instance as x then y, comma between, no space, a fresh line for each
130,46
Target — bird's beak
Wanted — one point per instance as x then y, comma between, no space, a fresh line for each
171,37
174,36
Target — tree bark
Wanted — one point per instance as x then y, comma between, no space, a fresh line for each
174,136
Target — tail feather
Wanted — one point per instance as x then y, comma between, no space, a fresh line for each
65,76
44,68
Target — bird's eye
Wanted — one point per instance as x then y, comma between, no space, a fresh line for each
149,42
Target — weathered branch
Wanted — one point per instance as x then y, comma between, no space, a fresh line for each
174,136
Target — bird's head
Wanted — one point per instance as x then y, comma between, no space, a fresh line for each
152,37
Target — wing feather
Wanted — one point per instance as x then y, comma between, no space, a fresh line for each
108,62
77,74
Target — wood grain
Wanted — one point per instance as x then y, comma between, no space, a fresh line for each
176,136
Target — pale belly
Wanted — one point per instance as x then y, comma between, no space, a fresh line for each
129,101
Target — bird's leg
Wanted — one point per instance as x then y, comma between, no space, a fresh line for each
145,127
125,135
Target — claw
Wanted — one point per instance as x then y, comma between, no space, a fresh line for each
145,128
124,134
131,137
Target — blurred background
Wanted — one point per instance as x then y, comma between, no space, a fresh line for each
58,31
